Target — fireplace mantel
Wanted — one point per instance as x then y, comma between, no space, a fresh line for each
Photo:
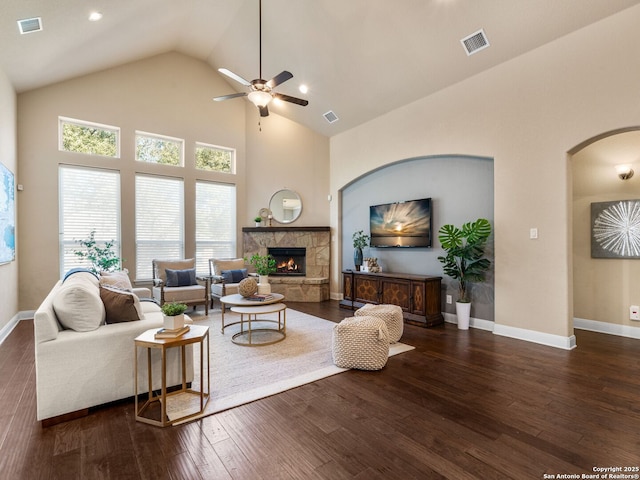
286,229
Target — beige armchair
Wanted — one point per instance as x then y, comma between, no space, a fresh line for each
222,272
176,281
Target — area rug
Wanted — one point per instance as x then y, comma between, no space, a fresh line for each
241,374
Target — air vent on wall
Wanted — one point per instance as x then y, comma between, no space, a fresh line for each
30,25
475,42
330,116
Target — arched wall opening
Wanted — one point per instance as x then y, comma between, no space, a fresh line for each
461,188
603,288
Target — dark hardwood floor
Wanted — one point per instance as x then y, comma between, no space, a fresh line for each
462,405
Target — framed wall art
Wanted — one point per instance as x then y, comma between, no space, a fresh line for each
615,229
7,216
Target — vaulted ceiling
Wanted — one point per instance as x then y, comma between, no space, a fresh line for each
359,58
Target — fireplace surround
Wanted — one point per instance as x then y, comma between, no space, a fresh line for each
313,284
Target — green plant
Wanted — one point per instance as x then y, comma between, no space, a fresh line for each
102,259
264,264
360,240
172,309
257,219
464,260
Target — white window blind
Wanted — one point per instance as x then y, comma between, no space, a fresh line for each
215,223
89,200
159,221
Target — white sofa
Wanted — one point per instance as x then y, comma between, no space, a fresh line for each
93,364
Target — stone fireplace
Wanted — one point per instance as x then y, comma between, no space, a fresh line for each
310,283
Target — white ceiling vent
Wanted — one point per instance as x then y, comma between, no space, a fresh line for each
330,116
475,42
30,25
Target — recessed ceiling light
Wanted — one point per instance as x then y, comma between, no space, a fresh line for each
303,88
95,16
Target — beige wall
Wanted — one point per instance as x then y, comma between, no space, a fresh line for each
604,289
169,94
8,146
526,114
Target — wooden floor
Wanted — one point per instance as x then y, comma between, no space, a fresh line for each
462,405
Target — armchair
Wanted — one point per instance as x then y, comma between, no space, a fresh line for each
225,274
175,281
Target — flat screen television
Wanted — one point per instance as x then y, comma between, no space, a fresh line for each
401,224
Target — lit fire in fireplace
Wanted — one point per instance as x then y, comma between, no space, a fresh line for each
287,266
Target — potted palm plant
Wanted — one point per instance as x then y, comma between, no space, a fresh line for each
464,260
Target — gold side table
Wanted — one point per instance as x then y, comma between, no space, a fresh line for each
196,334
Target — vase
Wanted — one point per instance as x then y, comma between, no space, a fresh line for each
463,311
264,287
357,258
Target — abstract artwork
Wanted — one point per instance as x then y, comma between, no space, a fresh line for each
615,229
7,216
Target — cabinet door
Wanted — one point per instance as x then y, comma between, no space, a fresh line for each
396,292
418,304
347,286
366,289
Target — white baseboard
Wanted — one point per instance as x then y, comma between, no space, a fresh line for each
556,341
608,328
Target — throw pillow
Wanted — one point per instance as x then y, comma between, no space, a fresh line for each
120,305
181,278
78,306
116,279
234,276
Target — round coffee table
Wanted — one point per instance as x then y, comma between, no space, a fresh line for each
262,335
238,300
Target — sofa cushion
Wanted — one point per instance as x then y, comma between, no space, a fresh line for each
78,306
220,264
119,279
120,305
181,278
234,276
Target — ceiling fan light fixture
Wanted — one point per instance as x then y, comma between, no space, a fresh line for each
260,98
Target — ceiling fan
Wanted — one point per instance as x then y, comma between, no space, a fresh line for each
261,91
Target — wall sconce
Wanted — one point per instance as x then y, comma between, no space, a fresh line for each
625,172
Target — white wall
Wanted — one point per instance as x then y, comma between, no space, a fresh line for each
526,114
8,147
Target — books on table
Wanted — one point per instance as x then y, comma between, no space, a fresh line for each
258,297
169,333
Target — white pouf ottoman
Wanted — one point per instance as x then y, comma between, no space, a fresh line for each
361,343
391,314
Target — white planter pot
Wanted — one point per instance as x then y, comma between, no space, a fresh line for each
174,323
264,287
463,311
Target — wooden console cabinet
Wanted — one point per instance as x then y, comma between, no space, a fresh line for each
418,295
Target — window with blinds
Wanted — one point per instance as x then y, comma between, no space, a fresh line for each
159,221
215,223
89,201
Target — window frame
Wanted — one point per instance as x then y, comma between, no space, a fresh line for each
232,151
84,123
157,136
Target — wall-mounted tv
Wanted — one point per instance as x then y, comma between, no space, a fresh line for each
401,224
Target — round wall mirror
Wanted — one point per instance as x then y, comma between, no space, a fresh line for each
285,206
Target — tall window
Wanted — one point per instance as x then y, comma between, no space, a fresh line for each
159,149
89,201
90,138
159,221
216,159
215,223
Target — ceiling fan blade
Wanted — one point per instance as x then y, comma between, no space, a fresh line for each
264,111
287,98
227,97
280,78
237,78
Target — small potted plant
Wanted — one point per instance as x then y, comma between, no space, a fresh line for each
360,240
173,313
258,221
464,260
264,264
